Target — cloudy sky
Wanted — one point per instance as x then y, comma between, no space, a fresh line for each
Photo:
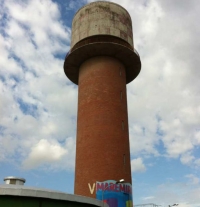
38,104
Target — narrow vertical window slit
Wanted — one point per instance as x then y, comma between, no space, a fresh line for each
120,72
122,125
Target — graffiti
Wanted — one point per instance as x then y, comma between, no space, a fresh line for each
91,188
115,195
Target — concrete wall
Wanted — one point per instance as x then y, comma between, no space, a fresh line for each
102,18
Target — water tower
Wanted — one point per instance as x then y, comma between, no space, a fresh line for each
101,61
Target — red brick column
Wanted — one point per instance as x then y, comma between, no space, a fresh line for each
102,148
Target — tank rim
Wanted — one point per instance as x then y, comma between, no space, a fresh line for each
130,58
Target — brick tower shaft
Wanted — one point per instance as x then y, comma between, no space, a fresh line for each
102,130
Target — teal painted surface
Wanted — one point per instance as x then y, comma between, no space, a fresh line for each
18,201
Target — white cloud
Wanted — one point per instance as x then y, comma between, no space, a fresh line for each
38,103
187,158
193,179
148,198
51,155
184,193
74,4
44,152
197,162
137,165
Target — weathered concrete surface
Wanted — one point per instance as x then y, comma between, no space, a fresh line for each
102,18
128,58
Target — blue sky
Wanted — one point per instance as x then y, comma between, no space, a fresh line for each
38,105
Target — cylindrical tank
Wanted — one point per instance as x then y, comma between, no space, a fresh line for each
102,60
102,18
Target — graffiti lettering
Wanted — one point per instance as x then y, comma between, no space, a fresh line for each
114,187
91,188
100,186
